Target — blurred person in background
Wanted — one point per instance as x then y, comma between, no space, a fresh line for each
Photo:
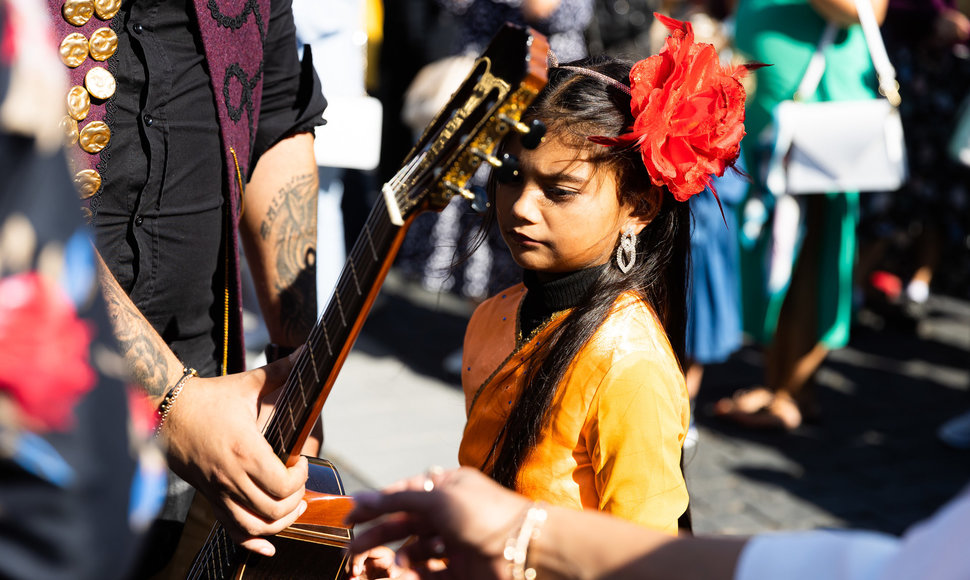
909,234
800,318
917,237
176,108
454,261
713,301
347,147
81,480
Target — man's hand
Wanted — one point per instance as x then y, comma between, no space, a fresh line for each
215,443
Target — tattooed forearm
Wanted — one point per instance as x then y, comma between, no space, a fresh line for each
143,349
290,226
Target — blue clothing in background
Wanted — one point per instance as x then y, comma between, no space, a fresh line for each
713,302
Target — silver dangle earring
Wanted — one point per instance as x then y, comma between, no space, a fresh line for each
626,252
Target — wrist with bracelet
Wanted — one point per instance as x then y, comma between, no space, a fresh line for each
517,546
168,401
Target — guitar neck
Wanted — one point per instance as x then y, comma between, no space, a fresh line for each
333,335
487,106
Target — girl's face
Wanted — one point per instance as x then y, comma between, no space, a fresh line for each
562,215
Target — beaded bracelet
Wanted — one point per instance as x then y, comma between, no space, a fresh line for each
168,401
517,547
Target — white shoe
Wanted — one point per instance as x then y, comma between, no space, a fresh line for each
918,291
690,440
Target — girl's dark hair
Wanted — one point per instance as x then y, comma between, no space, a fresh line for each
575,106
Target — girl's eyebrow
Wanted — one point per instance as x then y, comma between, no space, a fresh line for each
560,176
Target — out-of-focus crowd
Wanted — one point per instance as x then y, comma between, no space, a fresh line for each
80,473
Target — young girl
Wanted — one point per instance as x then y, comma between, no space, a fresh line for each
573,379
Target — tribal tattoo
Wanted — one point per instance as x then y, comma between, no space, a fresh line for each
291,223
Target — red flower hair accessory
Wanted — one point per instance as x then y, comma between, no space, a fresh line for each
688,111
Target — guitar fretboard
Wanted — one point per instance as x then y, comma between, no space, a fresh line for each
328,340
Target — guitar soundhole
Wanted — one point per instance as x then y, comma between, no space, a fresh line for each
297,560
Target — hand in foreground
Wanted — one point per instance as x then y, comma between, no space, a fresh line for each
215,443
465,518
374,563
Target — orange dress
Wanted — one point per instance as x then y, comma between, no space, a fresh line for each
617,423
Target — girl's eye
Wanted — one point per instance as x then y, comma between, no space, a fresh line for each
556,193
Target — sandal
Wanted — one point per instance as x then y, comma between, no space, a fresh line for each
779,411
744,401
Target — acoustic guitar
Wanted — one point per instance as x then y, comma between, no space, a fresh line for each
464,135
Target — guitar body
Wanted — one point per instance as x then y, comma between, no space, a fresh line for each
306,550
315,546
485,109
296,560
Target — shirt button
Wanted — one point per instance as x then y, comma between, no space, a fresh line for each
139,220
137,28
149,120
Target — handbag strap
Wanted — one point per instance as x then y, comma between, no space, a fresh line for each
885,73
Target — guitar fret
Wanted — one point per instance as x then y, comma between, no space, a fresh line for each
228,550
289,412
279,436
313,364
370,243
299,382
326,340
218,547
353,270
340,308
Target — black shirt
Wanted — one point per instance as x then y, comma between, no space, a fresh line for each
160,222
544,299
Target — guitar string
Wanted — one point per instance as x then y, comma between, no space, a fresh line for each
380,229
405,175
348,275
226,550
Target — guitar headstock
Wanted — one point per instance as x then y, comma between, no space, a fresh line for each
486,107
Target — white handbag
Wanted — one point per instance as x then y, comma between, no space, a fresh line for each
840,145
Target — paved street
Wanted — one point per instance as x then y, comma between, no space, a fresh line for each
870,461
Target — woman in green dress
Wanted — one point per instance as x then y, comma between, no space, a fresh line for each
805,312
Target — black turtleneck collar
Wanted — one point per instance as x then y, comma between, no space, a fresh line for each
546,298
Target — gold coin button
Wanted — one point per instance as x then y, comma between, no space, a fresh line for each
99,83
88,182
78,12
104,43
94,136
74,49
106,9
78,102
69,126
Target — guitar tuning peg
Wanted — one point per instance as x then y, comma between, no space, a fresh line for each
537,131
532,133
475,194
506,167
480,201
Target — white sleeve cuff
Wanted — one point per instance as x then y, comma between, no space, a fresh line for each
832,555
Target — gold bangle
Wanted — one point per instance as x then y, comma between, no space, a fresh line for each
517,547
168,401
